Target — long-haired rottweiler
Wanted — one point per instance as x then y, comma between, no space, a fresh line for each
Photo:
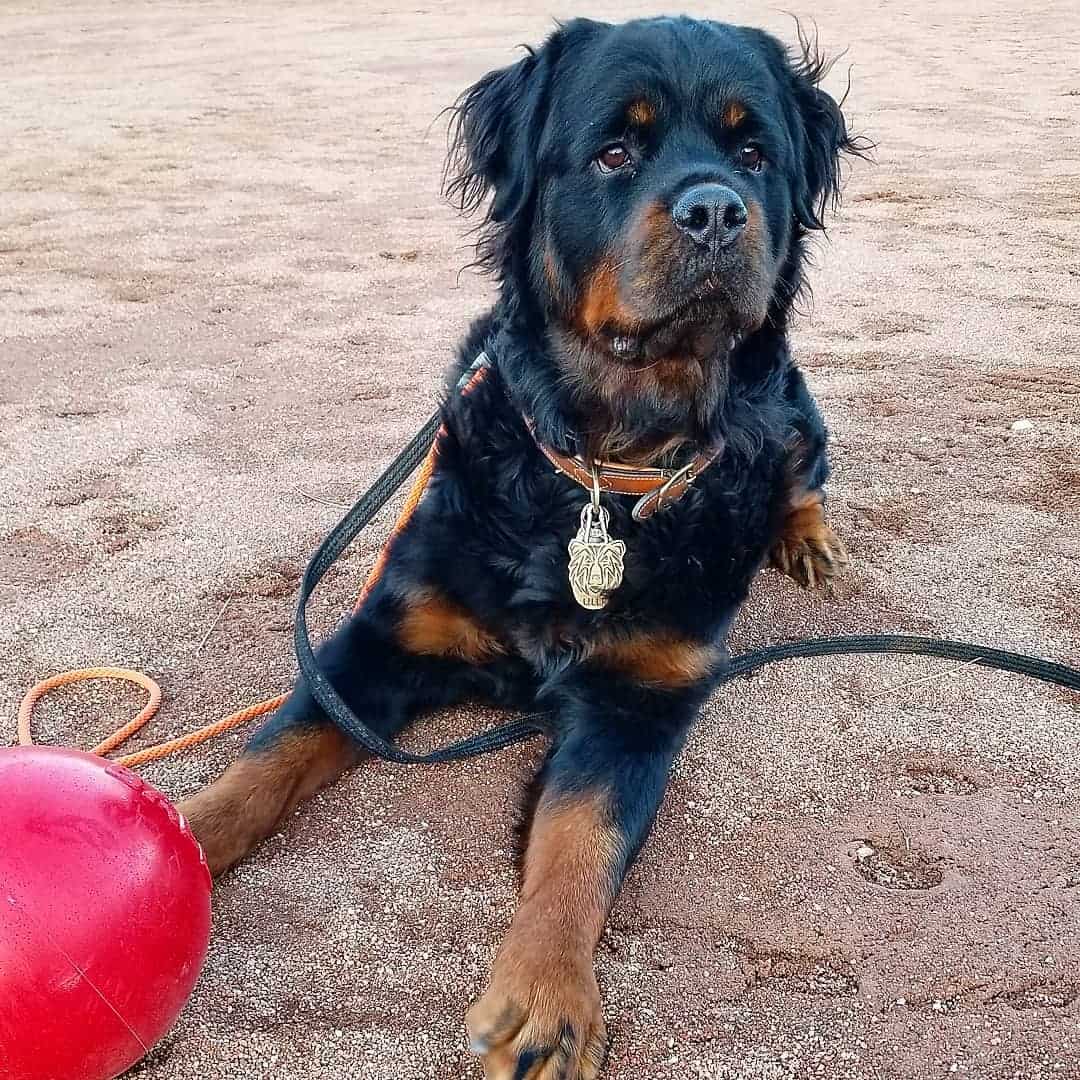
642,444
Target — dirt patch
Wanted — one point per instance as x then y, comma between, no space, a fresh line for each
31,557
891,195
276,579
936,776
122,528
83,488
1040,996
893,863
801,971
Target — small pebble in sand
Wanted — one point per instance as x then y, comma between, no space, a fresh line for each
1021,425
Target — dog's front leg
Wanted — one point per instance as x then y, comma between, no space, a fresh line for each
600,787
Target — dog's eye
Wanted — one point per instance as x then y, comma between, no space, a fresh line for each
613,157
750,157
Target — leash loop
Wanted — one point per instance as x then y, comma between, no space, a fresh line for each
528,726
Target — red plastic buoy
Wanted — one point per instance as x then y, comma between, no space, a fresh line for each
104,915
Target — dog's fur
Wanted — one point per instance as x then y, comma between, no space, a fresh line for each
619,336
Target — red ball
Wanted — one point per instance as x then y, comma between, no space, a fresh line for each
104,915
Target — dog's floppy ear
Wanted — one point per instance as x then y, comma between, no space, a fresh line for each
494,138
825,134
490,137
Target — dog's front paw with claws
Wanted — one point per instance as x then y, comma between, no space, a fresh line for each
808,550
539,1019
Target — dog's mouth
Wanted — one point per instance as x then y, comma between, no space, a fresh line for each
695,329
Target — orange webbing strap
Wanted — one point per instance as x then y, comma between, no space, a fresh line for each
236,719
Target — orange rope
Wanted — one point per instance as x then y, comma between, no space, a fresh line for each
120,736
136,677
242,716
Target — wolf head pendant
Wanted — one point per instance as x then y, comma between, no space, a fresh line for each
596,561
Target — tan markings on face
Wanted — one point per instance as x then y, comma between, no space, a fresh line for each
657,658
655,227
251,799
641,113
753,245
603,304
734,114
754,228
653,251
660,244
601,301
434,626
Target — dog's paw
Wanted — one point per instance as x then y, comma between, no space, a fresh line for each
811,556
539,1023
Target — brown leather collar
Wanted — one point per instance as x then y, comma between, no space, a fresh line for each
658,488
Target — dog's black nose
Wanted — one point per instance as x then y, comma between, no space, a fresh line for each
710,214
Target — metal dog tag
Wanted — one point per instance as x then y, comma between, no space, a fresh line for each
596,561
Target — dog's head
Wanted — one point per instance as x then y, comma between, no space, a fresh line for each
652,184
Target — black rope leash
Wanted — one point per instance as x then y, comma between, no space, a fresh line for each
525,727
905,644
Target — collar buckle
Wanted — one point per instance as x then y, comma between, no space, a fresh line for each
653,502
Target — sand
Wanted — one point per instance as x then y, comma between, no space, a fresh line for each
229,288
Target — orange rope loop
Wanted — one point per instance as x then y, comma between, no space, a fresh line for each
67,677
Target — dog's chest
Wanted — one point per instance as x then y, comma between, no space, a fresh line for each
701,551
508,529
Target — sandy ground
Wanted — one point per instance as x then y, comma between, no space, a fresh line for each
228,290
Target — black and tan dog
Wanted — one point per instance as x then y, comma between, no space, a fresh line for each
642,444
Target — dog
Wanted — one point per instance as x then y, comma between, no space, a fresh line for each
640,445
